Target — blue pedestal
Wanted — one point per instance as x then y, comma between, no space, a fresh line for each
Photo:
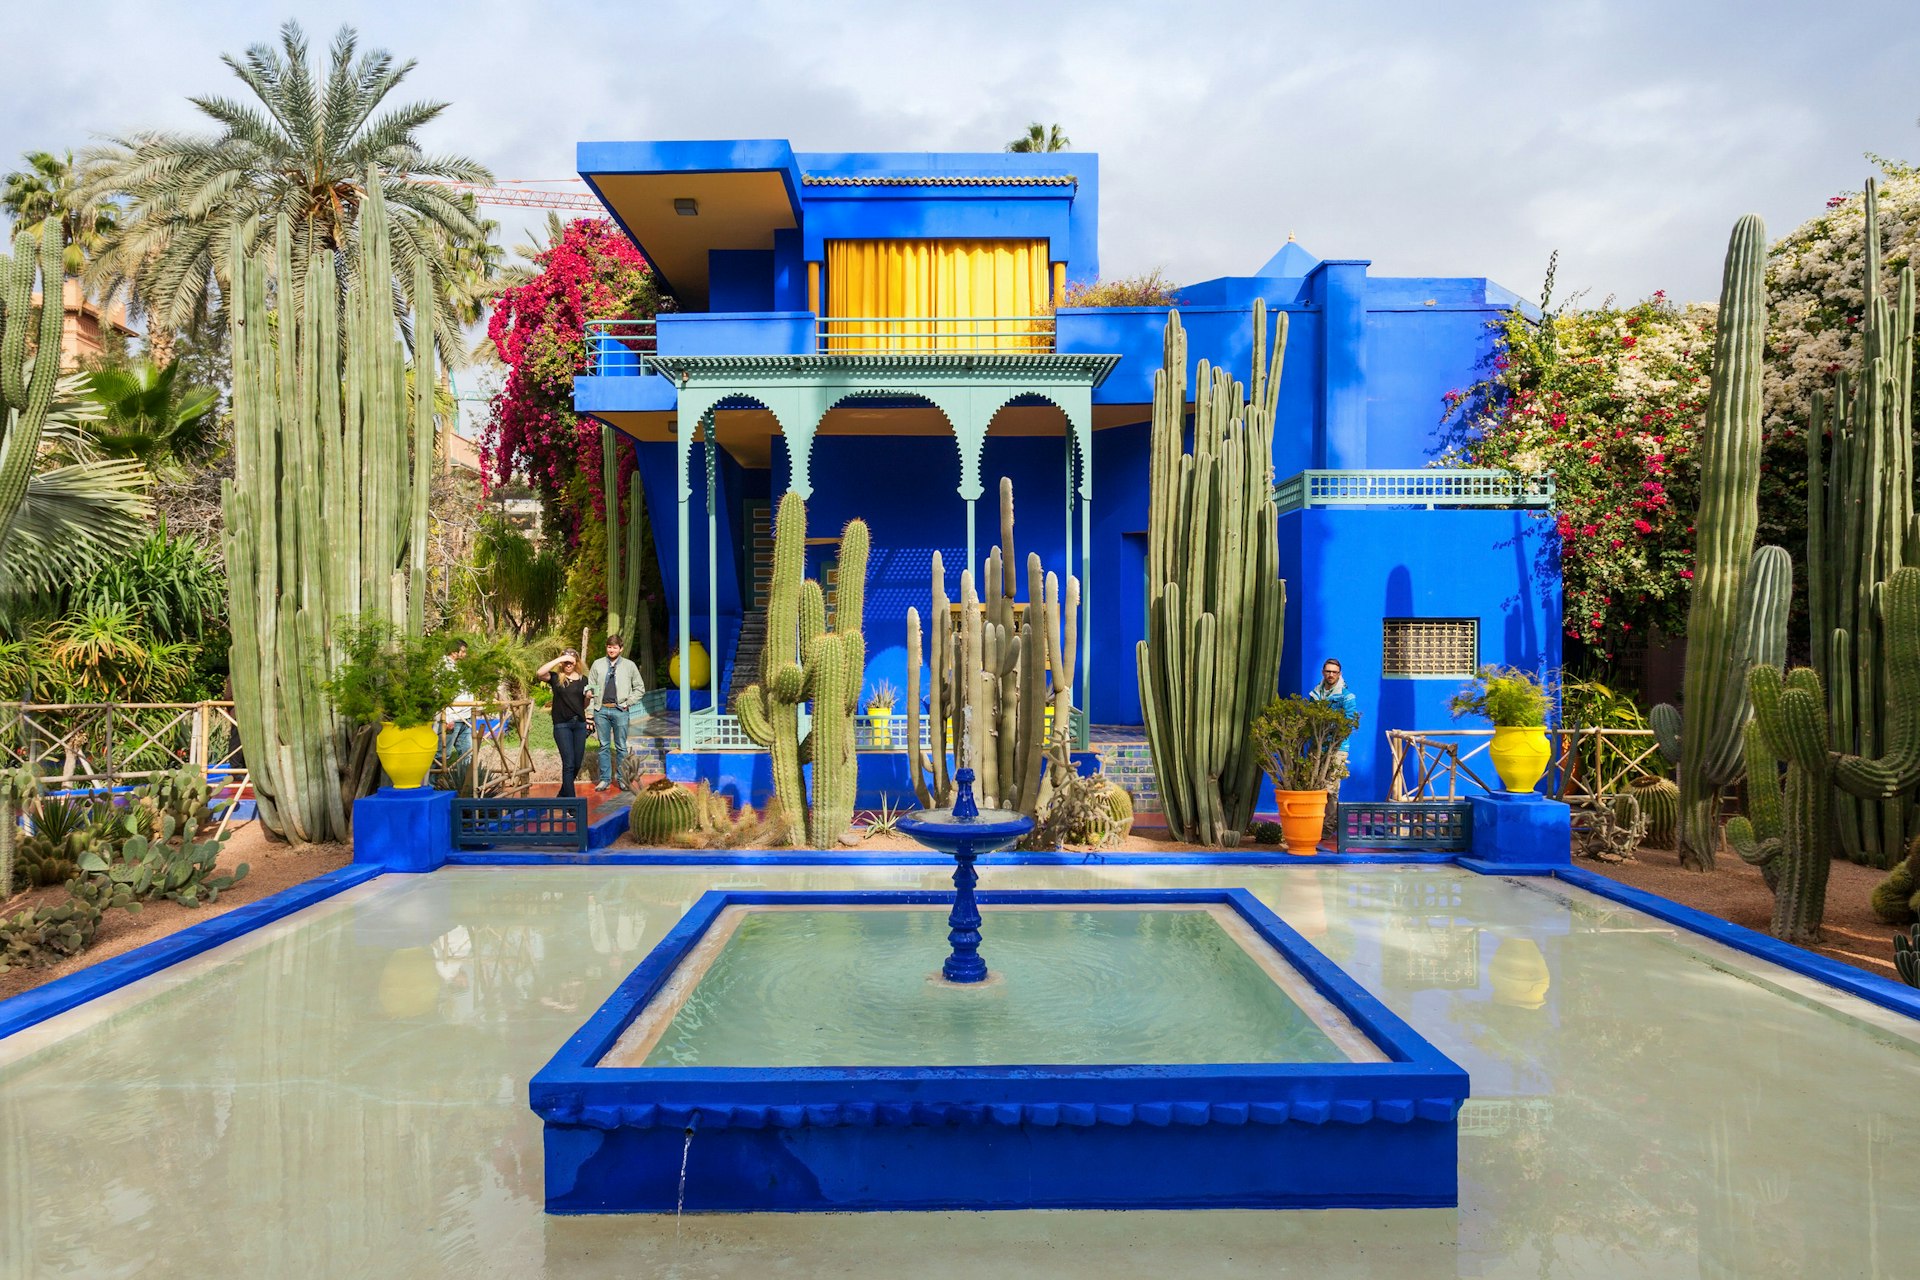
1521,832
408,830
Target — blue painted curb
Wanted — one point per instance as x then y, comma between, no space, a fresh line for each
907,858
1492,867
1884,992
56,997
608,829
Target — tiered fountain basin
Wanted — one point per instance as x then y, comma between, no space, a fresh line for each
1165,1049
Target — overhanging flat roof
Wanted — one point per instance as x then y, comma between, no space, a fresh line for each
744,191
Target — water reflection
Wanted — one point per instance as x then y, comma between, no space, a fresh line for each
350,1099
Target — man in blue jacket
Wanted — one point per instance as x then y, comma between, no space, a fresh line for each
1332,688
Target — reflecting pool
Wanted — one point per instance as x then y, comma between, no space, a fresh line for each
345,1093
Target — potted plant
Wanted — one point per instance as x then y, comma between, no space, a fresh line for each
402,683
880,700
1299,741
1516,702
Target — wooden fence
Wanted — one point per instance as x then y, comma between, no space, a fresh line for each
1589,764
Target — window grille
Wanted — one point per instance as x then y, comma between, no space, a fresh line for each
1429,646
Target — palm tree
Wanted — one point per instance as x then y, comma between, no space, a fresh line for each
1040,137
145,416
49,189
306,147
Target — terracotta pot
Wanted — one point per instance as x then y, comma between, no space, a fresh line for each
1303,815
1520,756
406,754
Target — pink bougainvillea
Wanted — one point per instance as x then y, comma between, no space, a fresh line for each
592,272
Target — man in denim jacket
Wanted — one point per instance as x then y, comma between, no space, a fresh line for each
613,691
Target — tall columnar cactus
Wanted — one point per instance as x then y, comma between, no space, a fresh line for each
1860,531
1216,603
1738,614
26,383
1788,834
803,661
326,514
994,684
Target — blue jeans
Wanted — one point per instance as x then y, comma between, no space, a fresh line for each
456,740
571,737
611,725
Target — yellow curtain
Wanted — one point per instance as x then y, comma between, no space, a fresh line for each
938,295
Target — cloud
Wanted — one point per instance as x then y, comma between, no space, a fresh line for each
1432,139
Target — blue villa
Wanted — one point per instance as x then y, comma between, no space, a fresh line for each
878,332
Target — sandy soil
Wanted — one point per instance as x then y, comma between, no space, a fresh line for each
1734,891
271,867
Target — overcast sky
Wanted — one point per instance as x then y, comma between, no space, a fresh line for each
1434,138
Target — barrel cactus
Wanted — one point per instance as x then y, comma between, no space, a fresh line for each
1119,810
1216,603
1896,900
661,811
1659,801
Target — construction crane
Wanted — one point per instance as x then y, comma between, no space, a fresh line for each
523,193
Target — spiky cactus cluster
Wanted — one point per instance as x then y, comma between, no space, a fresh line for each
1788,833
1216,604
1860,532
994,679
805,661
1737,617
326,514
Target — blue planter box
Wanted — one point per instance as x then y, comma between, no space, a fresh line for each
1231,1135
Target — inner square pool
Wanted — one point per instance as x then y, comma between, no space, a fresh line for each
345,1093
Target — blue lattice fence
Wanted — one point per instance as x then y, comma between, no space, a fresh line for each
1427,826
546,823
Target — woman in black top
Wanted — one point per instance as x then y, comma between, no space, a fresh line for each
569,687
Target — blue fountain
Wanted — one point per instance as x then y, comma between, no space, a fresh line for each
965,833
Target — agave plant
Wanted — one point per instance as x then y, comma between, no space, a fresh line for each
1906,955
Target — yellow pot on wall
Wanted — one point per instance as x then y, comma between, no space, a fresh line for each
406,754
1520,755
698,667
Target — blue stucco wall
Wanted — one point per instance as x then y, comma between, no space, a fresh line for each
1346,570
741,280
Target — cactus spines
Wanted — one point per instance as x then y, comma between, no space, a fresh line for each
1788,832
803,661
325,514
1737,607
995,680
1896,770
1216,603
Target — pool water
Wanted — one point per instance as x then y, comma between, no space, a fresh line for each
859,987
345,1094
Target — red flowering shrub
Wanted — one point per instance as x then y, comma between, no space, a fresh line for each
592,273
1609,402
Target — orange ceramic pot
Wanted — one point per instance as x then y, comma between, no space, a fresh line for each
1303,815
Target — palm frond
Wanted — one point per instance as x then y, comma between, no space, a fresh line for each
72,518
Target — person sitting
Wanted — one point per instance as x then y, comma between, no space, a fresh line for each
456,721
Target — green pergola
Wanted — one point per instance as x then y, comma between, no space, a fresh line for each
967,388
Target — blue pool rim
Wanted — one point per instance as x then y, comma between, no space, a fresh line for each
1268,1135
106,976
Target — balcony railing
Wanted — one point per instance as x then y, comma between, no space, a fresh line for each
1428,487
615,348
944,335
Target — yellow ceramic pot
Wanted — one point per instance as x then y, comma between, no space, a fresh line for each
1519,974
882,722
1303,816
406,754
1520,755
698,667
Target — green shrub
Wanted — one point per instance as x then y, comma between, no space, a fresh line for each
1151,289
404,680
1299,741
1507,696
